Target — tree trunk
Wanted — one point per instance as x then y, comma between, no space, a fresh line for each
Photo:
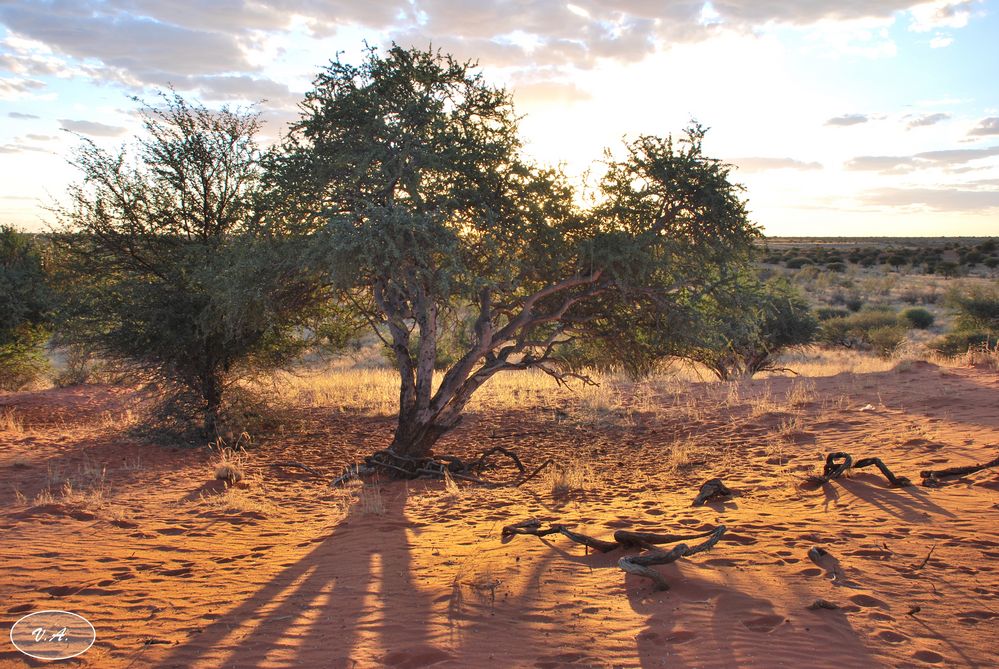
211,393
415,439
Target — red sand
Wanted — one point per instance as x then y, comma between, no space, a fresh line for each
172,582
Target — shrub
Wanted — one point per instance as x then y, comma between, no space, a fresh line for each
825,313
916,317
797,263
836,266
958,343
164,264
876,329
24,304
854,303
752,326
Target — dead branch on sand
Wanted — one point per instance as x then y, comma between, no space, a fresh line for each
711,489
839,462
633,564
932,477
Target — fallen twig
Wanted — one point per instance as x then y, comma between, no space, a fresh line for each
925,559
298,465
633,564
932,477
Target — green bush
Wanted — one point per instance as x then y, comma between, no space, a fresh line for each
876,329
917,317
958,343
836,266
797,263
24,304
825,313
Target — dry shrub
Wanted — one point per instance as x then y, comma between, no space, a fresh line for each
11,422
369,500
230,464
800,393
567,477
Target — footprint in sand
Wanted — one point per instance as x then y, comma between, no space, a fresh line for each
763,623
928,656
680,636
891,637
867,601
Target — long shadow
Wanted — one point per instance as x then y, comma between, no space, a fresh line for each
910,504
350,601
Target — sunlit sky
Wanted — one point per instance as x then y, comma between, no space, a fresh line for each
843,117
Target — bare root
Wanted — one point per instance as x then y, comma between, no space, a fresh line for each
711,489
632,564
933,478
839,463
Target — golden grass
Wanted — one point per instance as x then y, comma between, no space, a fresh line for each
11,423
567,477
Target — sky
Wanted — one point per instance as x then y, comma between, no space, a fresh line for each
841,117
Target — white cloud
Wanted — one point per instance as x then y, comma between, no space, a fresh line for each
764,164
92,128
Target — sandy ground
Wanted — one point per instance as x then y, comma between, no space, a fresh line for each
289,575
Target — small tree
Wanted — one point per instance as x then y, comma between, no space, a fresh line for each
408,170
751,325
164,265
24,303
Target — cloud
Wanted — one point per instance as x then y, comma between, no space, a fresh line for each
154,42
937,199
927,119
941,41
16,87
763,164
242,87
924,160
880,163
21,116
987,126
957,156
848,119
91,128
147,50
20,148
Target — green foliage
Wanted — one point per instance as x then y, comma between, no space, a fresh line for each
825,313
749,325
916,317
797,262
876,329
408,174
164,266
962,341
25,299
976,308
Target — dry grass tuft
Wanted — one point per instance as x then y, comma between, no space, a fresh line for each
567,477
10,422
452,491
369,500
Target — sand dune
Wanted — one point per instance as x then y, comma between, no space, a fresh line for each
174,570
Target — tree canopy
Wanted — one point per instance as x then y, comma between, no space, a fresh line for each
408,174
164,264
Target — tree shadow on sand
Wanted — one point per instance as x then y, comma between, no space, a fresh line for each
349,601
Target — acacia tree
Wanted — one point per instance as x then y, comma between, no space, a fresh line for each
162,258
408,172
748,324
